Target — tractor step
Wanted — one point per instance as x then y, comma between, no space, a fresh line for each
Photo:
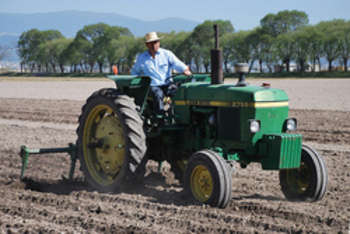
71,150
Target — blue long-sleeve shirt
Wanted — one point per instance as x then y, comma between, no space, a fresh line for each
158,68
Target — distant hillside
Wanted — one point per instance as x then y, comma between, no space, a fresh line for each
9,41
69,22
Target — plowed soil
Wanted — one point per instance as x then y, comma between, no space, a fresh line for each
44,202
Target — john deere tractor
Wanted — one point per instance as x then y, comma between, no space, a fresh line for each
208,125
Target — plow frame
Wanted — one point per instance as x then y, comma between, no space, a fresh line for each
71,150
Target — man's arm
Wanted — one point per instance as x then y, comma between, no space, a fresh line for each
178,65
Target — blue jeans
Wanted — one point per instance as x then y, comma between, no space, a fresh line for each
158,93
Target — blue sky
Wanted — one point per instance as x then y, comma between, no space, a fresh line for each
244,14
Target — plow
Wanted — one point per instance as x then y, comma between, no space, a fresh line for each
207,127
25,152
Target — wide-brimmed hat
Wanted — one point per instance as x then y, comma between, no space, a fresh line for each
151,36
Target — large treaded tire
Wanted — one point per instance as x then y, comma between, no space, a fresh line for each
124,112
208,179
309,182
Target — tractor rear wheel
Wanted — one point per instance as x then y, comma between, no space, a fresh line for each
111,141
307,183
208,179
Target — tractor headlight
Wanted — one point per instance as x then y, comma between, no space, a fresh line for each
254,125
290,124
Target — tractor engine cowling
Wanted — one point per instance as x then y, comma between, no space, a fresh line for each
233,112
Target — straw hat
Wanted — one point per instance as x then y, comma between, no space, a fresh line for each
151,36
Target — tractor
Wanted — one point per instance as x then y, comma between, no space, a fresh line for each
208,126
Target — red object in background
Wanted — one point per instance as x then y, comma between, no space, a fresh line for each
115,70
266,85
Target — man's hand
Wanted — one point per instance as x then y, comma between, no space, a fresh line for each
187,72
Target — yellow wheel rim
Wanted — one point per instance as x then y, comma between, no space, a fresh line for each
103,144
201,183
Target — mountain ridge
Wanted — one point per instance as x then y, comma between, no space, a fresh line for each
69,22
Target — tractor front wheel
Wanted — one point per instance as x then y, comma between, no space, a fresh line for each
309,181
111,141
208,179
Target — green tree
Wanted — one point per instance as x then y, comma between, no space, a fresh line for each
168,40
137,45
276,25
177,41
285,48
314,41
227,50
74,56
113,44
344,44
242,49
330,43
262,47
28,46
52,53
94,42
191,53
62,45
267,53
118,52
43,57
302,47
283,22
91,43
55,50
83,49
202,40
108,42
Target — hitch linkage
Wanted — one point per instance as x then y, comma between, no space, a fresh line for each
71,150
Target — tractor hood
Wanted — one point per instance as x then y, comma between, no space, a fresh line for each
228,95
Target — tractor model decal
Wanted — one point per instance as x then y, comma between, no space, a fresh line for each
229,104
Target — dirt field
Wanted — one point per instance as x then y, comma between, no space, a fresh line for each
44,114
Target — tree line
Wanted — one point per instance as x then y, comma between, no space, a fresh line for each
280,39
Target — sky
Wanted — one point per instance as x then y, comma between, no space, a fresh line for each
243,14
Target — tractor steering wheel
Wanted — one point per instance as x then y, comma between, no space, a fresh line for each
169,80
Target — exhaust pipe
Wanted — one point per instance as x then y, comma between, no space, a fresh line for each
217,76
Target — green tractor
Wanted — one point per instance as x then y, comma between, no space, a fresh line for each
207,127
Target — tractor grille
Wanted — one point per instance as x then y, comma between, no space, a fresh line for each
282,151
229,124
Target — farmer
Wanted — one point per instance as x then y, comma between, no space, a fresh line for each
157,63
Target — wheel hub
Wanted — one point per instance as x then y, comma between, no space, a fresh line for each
110,155
300,178
201,183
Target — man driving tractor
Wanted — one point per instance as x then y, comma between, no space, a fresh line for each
158,63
